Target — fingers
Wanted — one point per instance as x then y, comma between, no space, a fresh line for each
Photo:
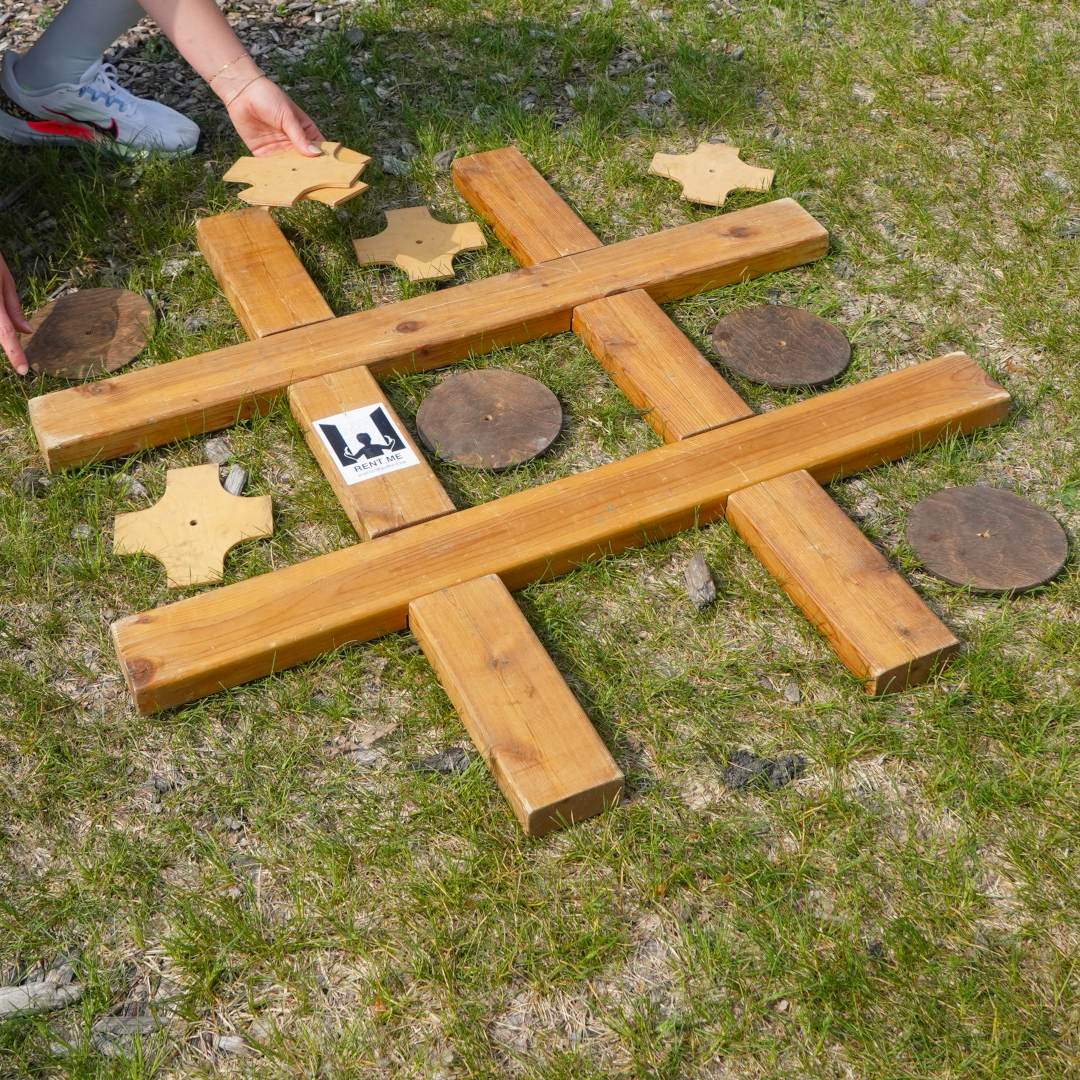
12,319
298,133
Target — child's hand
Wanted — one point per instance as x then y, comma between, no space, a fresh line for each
12,319
269,121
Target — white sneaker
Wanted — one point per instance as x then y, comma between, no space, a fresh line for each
96,110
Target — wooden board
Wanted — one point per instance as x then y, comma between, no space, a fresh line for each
489,419
150,407
280,179
781,346
258,271
874,620
649,358
521,206
332,196
987,539
657,367
184,651
194,525
545,754
380,503
419,244
89,332
711,173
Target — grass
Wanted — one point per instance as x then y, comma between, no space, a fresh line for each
906,910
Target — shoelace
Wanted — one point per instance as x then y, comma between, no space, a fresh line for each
104,85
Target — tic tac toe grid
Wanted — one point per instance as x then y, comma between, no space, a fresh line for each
446,574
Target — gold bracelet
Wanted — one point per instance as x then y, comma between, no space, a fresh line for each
261,75
224,66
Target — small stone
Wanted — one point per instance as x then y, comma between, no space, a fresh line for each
395,166
81,532
863,94
193,324
452,760
236,481
216,451
230,1044
663,97
444,159
699,582
1069,231
161,784
1057,182
843,269
792,692
354,36
259,1031
233,824
173,267
745,768
34,482
132,488
737,53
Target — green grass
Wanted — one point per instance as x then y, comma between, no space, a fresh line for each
906,910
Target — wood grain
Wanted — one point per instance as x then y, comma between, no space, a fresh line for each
195,647
521,207
781,346
544,753
259,273
875,621
987,539
382,504
657,367
194,525
89,332
489,419
649,358
153,406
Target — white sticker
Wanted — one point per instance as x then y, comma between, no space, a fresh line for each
365,442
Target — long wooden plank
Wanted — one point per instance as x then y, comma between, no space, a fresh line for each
152,406
381,503
195,647
649,358
258,271
544,752
521,207
875,621
657,367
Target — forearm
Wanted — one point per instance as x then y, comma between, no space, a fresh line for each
207,42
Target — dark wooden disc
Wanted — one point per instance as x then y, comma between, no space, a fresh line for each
88,332
489,419
781,346
988,539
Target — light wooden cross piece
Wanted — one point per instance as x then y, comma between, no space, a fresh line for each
447,574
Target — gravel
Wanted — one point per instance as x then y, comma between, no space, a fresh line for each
454,759
236,481
217,451
31,482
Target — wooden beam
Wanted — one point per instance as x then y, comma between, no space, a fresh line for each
544,752
657,367
195,647
153,406
522,208
874,620
259,273
386,501
649,358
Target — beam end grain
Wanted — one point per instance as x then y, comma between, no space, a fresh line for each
243,631
878,625
544,753
259,273
382,503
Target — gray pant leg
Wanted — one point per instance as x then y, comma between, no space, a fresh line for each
75,40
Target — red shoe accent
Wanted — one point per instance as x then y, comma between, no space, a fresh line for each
51,127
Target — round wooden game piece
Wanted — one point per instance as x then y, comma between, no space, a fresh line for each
88,332
781,346
489,419
988,539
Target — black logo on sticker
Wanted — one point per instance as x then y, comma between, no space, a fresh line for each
365,447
